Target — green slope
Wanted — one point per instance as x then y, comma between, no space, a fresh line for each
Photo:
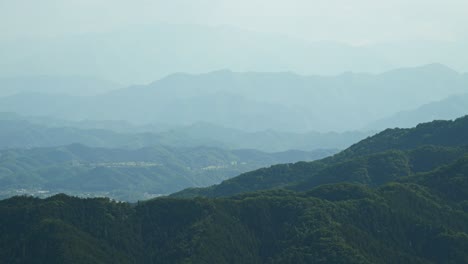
408,204
410,222
376,160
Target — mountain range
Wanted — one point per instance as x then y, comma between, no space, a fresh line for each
140,54
384,157
29,132
256,101
126,138
397,197
448,108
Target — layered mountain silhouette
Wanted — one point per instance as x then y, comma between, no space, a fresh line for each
256,101
141,54
449,108
385,157
29,132
397,197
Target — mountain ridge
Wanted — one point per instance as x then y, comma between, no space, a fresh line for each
438,134
280,101
26,132
339,223
416,211
447,108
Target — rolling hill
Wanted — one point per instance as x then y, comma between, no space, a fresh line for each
374,161
397,197
128,174
420,219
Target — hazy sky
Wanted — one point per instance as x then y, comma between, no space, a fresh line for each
356,21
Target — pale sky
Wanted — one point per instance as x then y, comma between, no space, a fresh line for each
351,21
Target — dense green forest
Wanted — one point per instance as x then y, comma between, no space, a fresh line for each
381,158
422,219
128,174
386,199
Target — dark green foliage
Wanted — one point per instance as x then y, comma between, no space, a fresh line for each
374,161
450,181
402,205
412,222
276,176
438,133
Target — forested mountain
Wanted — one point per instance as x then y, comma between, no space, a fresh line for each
29,132
376,160
421,219
126,174
256,101
397,197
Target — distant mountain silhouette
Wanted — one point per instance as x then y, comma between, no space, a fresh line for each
448,108
256,101
388,199
387,156
141,54
29,132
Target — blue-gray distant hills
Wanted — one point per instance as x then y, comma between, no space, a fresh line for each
398,197
256,101
449,108
31,132
141,54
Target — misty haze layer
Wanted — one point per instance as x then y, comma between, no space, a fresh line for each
257,101
143,54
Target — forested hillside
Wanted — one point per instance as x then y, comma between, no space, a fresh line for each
423,220
381,201
376,160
